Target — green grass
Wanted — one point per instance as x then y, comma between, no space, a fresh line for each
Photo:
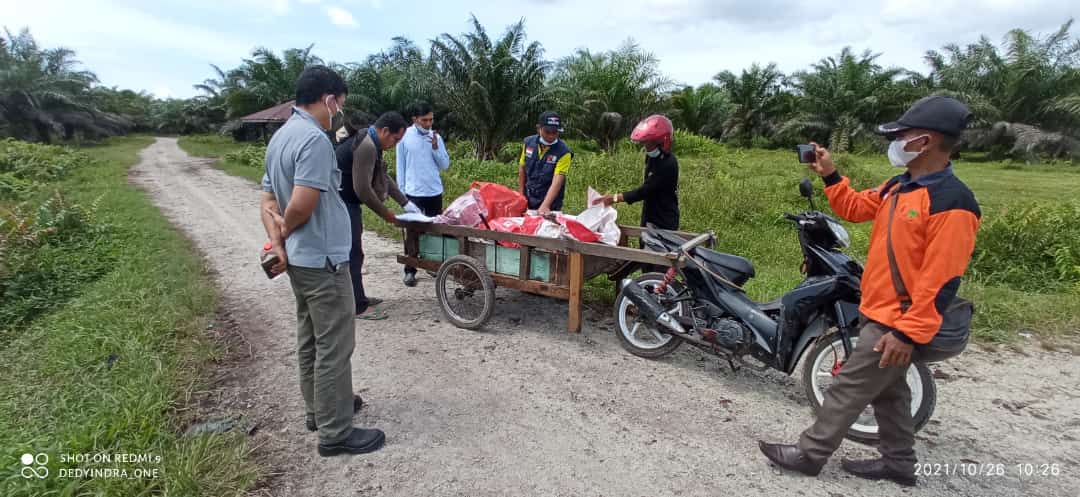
741,194
146,316
217,147
213,146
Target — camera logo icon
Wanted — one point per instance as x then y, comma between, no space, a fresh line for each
34,466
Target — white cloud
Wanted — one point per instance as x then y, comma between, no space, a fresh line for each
279,7
340,16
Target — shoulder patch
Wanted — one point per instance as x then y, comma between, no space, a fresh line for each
952,194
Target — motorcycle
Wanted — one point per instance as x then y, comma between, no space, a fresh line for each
700,301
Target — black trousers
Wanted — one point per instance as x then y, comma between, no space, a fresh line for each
430,206
356,255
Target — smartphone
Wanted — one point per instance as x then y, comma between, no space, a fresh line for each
807,153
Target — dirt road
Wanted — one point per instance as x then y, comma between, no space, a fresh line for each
525,409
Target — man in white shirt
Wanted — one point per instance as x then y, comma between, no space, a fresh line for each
421,156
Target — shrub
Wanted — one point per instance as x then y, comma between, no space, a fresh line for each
26,166
46,253
251,156
1033,247
687,144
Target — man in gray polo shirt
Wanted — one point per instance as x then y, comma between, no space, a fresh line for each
309,231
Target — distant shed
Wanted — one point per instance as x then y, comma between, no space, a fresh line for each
261,125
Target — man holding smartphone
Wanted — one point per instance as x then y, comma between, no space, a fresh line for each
421,156
925,222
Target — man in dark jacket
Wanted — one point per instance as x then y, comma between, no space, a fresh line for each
660,190
356,124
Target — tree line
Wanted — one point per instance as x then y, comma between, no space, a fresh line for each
1025,92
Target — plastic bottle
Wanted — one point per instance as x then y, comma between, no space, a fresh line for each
267,260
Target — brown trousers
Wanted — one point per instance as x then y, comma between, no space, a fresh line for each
860,383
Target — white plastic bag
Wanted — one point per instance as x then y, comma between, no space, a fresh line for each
601,219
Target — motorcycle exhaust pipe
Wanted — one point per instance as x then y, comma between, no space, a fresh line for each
649,308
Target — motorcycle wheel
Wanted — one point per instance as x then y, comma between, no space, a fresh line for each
818,373
640,338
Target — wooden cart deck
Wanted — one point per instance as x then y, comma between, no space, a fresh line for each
569,262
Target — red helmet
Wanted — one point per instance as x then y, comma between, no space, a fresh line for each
655,128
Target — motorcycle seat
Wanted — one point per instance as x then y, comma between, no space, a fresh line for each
737,269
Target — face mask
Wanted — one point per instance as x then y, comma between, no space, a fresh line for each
654,153
547,143
337,119
422,130
900,157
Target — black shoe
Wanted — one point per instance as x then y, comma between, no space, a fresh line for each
876,469
409,279
359,441
357,403
789,457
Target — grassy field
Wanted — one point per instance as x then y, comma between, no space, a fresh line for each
113,368
741,195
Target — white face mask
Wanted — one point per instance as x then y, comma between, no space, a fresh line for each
900,157
654,153
547,143
337,119
422,130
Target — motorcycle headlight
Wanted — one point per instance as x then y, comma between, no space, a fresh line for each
841,234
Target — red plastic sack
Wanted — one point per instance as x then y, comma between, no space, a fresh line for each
466,210
500,200
578,231
507,225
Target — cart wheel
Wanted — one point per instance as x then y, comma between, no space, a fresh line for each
466,292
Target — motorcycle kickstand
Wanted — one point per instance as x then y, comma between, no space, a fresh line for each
731,362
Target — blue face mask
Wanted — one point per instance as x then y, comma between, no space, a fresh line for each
422,130
654,153
547,143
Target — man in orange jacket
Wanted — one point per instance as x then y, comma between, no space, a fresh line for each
927,218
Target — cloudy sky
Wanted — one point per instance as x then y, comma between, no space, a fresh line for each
165,46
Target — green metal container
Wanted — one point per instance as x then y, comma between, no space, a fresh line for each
438,247
503,260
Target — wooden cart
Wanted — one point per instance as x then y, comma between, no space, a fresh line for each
544,266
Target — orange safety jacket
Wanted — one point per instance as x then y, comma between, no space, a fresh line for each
933,236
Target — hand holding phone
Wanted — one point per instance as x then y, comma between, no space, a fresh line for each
817,157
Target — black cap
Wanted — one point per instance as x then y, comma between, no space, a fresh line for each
550,121
942,114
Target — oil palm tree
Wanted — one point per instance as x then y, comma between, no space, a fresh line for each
391,79
842,98
493,88
266,79
1025,93
43,93
701,110
604,94
758,98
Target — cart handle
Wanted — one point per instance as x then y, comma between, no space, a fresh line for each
698,240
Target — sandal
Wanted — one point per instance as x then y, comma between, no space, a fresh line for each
372,315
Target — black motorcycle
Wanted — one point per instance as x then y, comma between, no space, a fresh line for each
700,301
